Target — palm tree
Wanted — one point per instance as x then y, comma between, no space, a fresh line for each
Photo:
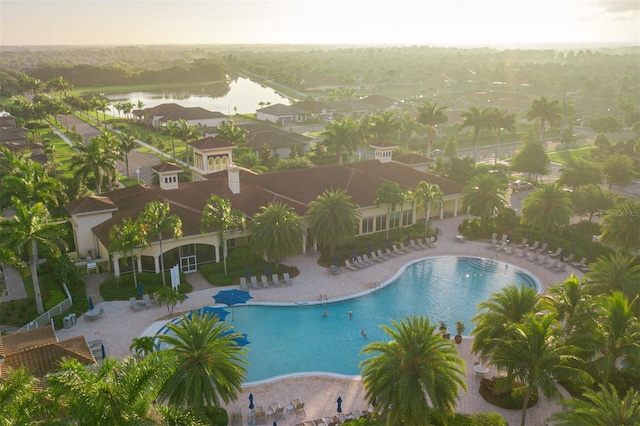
185,131
169,296
497,313
17,404
231,132
159,222
622,229
484,195
416,367
341,134
601,407
568,301
532,354
30,183
500,122
615,337
385,125
332,218
115,393
171,128
430,115
548,208
389,194
209,366
277,232
127,144
29,226
98,157
126,239
546,111
615,272
142,346
425,194
478,119
219,215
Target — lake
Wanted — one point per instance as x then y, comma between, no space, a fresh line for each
242,93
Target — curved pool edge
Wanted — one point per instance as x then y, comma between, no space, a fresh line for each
303,374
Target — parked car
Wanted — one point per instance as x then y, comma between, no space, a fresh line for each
520,185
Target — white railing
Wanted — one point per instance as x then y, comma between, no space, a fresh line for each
47,317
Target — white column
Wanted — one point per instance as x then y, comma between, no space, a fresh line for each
441,211
455,208
156,263
138,263
116,266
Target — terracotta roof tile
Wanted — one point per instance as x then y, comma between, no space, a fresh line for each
192,113
167,167
413,159
90,205
280,109
211,142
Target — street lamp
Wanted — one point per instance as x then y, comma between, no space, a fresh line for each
138,173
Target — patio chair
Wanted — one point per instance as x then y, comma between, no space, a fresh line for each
534,246
579,264
349,265
260,415
509,250
254,282
375,258
365,260
542,260
135,305
570,258
397,250
534,257
263,281
404,248
243,284
560,267
382,255
494,240
556,253
552,264
236,417
391,253
501,247
287,280
523,253
523,244
275,279
543,248
146,300
299,410
278,414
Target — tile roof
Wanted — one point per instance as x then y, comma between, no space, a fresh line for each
167,167
163,109
379,101
211,142
40,351
192,113
92,204
413,159
280,110
296,188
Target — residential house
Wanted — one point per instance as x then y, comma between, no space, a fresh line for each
93,217
278,140
284,115
40,351
381,103
195,116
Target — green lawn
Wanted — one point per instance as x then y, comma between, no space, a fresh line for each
569,155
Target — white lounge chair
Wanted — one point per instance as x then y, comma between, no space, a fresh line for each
146,300
397,250
365,260
494,240
254,282
523,253
542,260
523,244
349,265
375,258
534,257
560,267
404,248
135,305
286,279
275,279
382,255
543,248
263,281
243,284
534,246
557,252
391,253
552,264
501,247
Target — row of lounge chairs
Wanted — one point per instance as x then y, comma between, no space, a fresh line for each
335,420
265,282
378,256
146,302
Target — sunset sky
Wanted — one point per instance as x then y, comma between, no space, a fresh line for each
508,23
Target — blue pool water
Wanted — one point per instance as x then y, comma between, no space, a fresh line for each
289,339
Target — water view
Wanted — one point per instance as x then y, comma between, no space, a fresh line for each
241,94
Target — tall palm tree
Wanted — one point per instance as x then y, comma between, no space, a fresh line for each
184,131
386,125
231,132
532,354
548,208
615,272
332,218
501,121
622,229
600,407
478,119
615,338
209,366
171,128
159,222
342,135
17,402
430,114
117,392
389,194
277,232
425,194
568,301
497,313
29,226
126,239
415,368
97,158
30,183
546,111
484,195
127,144
219,215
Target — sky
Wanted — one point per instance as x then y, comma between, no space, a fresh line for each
466,23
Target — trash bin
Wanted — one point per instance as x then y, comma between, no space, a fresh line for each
439,231
66,322
73,319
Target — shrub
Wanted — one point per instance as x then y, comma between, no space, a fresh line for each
215,416
515,398
471,229
489,419
55,297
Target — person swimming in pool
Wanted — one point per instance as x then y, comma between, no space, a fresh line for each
350,315
324,314
364,333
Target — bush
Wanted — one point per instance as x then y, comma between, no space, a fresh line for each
512,399
215,416
55,297
471,229
488,419
515,399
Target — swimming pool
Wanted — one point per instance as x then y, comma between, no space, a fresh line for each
287,339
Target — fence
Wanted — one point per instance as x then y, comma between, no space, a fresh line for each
46,318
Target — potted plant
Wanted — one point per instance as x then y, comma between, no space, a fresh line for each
443,330
459,330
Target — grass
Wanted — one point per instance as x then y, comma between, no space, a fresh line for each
568,155
124,287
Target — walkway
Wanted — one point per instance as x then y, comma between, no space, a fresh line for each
120,325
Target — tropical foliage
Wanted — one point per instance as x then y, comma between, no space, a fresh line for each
276,232
484,196
547,209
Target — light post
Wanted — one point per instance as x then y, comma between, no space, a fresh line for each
495,161
138,173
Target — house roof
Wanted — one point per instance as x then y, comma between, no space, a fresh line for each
315,107
193,113
379,101
280,110
413,159
90,205
351,105
296,188
163,109
40,352
383,144
211,142
167,168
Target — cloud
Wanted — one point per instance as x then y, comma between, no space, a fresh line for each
619,6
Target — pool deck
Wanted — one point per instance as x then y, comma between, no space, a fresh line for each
119,325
